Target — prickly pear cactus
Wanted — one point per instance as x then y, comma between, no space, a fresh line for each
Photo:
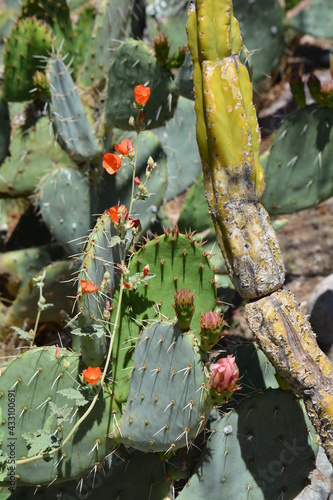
43,383
175,261
33,154
28,43
68,215
298,171
237,443
165,408
131,64
71,127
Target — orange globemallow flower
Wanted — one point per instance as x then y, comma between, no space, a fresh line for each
114,213
141,94
88,287
124,147
92,374
111,163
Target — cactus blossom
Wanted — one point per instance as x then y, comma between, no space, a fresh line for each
141,94
124,147
225,375
114,213
184,307
210,324
88,287
92,374
111,163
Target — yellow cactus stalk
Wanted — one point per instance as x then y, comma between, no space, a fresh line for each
229,144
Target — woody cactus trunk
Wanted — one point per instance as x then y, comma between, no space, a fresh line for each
229,144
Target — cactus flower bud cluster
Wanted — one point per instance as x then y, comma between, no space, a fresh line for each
184,307
210,324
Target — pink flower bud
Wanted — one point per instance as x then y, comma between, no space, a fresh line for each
210,324
224,375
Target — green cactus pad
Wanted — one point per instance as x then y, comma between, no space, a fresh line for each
117,189
32,155
126,474
194,215
242,460
165,408
57,291
179,142
71,127
263,33
28,40
36,377
64,200
109,27
133,64
183,83
5,130
57,16
98,258
299,169
19,266
176,261
316,19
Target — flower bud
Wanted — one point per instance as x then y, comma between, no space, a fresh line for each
224,375
210,323
184,308
150,162
131,122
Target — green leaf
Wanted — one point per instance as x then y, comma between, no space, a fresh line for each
115,240
39,442
74,394
22,334
89,330
62,413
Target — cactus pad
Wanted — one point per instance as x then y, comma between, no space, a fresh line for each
36,377
63,198
165,408
176,261
28,40
133,64
239,464
125,474
316,19
32,155
71,127
110,25
299,169
179,142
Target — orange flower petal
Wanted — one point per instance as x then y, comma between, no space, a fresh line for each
141,94
88,287
92,374
111,163
114,213
124,147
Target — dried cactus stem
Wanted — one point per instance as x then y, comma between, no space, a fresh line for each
250,248
288,341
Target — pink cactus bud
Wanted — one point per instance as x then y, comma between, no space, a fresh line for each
224,375
210,323
184,307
